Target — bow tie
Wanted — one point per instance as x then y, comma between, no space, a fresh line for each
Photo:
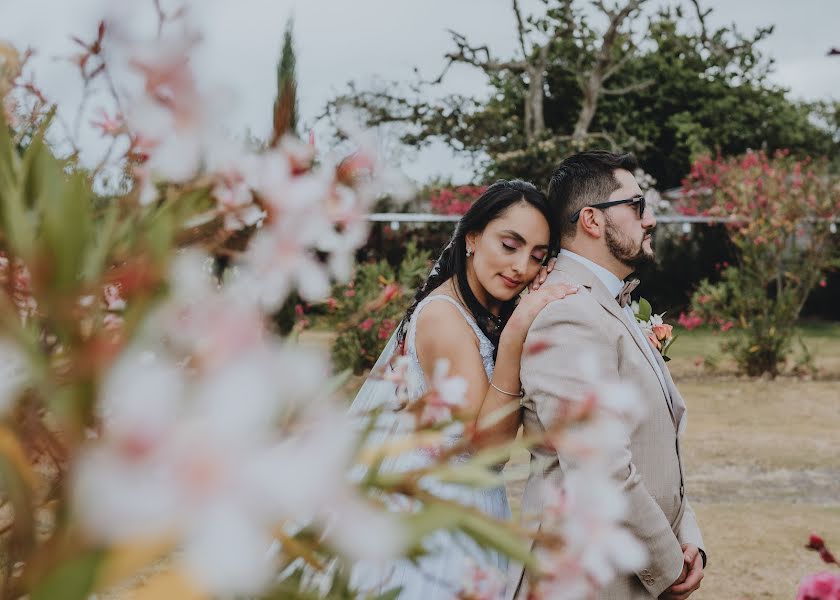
624,295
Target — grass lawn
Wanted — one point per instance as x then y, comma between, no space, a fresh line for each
697,352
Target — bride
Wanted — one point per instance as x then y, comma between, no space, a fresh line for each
469,312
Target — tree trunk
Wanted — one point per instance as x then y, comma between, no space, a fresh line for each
587,110
534,117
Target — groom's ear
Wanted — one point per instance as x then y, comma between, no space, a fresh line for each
591,222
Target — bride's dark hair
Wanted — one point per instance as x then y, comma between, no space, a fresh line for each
453,260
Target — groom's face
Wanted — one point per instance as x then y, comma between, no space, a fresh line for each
629,236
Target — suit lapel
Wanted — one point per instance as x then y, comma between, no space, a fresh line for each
590,280
677,401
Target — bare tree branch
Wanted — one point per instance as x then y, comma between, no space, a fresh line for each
627,89
592,82
520,28
714,45
701,20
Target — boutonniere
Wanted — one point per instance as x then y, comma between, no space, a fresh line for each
659,334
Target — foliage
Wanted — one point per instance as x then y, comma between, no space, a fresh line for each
666,93
367,311
780,213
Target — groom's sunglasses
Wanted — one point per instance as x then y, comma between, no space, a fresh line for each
638,200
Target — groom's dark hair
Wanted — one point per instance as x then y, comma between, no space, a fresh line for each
581,180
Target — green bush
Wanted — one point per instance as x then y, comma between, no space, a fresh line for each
368,310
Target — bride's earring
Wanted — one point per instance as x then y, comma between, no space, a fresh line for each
469,252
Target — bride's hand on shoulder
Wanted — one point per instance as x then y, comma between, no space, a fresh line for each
533,302
544,271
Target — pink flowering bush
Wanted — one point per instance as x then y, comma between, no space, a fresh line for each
368,310
454,201
779,213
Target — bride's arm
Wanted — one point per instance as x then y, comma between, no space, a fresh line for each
442,333
498,417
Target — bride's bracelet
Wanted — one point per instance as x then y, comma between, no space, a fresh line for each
498,389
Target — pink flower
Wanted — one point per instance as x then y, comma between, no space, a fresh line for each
108,125
662,332
386,328
727,326
349,293
445,394
823,283
113,297
815,542
366,324
391,290
820,586
654,341
690,321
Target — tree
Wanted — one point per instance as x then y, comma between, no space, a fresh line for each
657,84
286,103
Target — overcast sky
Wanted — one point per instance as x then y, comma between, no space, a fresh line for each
369,40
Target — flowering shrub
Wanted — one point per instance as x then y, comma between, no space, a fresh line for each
455,201
824,585
148,414
367,311
779,214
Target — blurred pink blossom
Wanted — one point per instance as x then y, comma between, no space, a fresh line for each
820,586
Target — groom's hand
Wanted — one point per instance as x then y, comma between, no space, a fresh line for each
689,580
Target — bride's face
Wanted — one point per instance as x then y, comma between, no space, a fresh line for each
508,254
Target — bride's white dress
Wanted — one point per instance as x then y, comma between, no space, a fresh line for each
452,556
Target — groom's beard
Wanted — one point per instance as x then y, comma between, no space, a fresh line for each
625,249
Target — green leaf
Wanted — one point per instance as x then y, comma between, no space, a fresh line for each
645,310
8,152
105,234
430,519
483,529
468,474
497,536
71,580
389,595
668,345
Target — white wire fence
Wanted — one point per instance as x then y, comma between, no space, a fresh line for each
395,219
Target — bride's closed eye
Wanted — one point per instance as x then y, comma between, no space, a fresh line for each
510,245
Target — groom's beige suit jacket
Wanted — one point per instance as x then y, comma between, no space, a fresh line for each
591,323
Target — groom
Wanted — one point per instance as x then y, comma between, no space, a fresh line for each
606,235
